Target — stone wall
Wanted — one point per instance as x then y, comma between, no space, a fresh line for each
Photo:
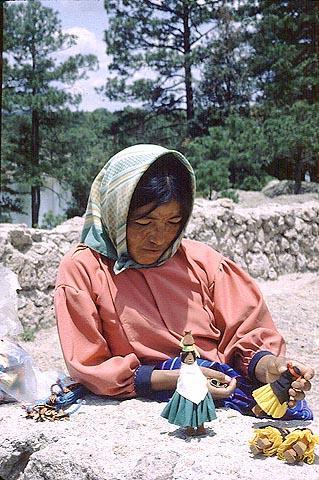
265,241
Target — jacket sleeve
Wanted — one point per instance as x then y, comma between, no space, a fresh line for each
86,351
242,317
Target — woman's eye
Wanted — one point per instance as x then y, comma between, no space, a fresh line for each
142,222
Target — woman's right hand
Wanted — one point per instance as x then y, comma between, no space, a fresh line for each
219,393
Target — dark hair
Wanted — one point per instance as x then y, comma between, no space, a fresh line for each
165,180
184,355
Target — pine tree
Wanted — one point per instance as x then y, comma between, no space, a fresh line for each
162,40
32,36
284,37
225,86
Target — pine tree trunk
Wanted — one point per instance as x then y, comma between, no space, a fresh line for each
187,66
35,199
35,189
298,170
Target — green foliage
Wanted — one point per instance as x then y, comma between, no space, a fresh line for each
251,183
285,60
168,39
293,133
50,220
232,194
212,176
225,86
32,35
234,152
28,334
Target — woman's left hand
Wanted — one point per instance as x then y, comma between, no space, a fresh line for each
269,368
227,387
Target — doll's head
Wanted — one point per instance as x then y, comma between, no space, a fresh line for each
188,357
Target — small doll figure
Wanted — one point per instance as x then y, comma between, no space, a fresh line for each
267,440
299,445
273,398
291,445
192,404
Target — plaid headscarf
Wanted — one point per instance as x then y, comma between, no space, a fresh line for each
106,215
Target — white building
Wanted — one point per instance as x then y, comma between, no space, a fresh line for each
55,197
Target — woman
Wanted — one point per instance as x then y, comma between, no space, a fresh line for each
126,294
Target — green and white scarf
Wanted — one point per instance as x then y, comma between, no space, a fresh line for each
106,215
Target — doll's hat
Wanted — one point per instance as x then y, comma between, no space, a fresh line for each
188,344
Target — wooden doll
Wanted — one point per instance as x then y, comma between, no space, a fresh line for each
273,398
267,440
299,445
192,404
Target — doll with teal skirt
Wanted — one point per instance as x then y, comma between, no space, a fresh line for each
192,404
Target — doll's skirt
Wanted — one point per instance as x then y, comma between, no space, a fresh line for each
181,411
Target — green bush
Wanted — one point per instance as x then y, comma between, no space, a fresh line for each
28,334
50,220
232,194
251,183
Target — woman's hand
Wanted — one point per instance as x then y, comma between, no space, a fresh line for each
167,380
269,368
218,393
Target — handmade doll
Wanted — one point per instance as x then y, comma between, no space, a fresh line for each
291,445
267,440
192,404
273,398
298,445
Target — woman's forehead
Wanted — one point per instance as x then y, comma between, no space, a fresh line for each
169,209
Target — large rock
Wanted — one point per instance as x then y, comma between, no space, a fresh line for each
286,187
129,440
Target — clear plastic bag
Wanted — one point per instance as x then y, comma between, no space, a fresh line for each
9,322
17,375
20,380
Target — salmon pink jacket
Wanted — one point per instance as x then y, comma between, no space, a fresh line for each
109,324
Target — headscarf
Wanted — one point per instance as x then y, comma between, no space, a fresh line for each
106,215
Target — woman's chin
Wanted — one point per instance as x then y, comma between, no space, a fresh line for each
148,258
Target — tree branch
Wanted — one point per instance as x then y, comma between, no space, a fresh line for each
202,35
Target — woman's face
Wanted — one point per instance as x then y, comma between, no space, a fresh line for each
150,234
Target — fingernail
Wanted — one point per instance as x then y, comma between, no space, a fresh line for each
227,378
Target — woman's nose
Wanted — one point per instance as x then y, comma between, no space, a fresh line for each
157,237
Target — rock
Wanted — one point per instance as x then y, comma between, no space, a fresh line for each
258,264
20,239
285,187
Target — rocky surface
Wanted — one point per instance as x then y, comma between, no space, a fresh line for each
266,241
128,440
110,440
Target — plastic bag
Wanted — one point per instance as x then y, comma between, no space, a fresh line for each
9,322
19,378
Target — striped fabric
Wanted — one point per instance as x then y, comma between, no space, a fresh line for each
105,219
